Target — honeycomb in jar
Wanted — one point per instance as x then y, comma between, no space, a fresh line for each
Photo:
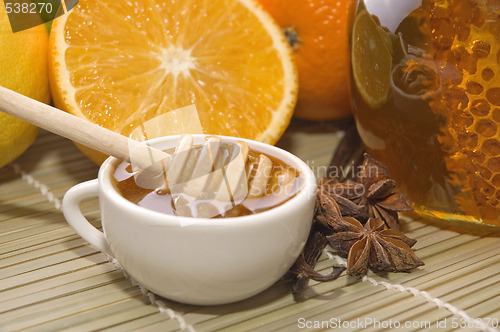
466,43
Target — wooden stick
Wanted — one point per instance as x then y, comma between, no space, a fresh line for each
71,127
348,153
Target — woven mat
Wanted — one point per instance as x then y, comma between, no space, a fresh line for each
50,279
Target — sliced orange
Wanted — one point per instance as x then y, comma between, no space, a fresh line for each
120,63
371,60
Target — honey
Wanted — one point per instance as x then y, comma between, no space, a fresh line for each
426,97
284,184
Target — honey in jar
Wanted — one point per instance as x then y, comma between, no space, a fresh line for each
426,99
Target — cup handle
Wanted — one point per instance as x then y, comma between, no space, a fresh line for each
74,216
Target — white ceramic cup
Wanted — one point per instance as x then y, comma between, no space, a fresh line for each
211,261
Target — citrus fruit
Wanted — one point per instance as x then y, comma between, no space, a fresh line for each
128,62
371,61
317,31
23,68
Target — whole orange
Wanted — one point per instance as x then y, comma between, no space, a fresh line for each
317,31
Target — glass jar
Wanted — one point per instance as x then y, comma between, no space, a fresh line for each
426,100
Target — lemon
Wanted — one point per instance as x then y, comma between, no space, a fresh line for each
23,68
371,61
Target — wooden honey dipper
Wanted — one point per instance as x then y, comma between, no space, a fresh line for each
119,146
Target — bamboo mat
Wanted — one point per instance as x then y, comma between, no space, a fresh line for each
51,280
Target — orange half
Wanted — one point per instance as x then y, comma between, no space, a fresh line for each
121,63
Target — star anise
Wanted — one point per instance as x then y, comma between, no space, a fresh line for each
371,195
380,197
346,201
373,246
328,213
347,195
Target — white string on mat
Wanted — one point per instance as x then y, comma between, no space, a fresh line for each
162,306
44,189
416,292
49,195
